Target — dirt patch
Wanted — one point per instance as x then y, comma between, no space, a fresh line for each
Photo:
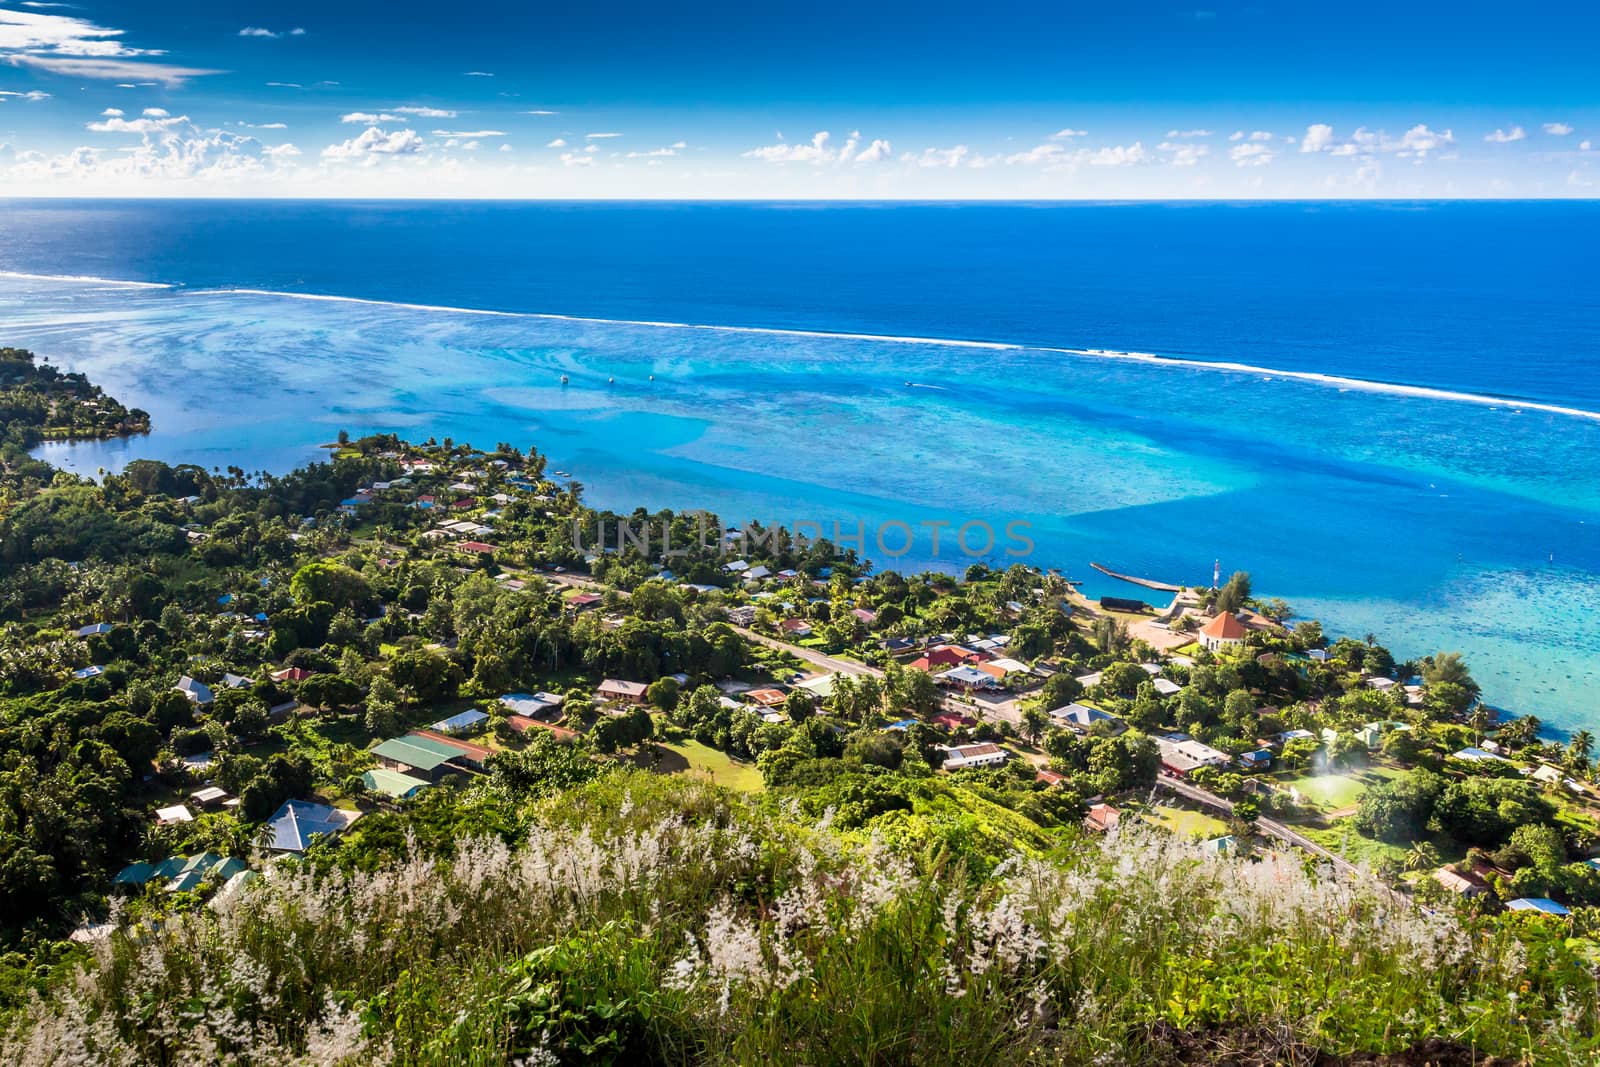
1268,1047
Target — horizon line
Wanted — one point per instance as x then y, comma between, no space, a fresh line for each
1065,200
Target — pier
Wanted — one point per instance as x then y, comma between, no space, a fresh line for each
1167,587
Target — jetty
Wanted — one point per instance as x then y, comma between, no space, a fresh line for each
1148,583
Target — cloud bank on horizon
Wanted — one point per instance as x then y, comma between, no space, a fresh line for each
829,101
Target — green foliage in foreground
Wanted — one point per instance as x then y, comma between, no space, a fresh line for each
659,920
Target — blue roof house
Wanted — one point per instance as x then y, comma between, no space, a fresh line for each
296,824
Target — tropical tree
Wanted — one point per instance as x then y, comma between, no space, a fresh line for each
1422,856
1035,721
1580,749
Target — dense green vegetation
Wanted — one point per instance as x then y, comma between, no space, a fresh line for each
581,891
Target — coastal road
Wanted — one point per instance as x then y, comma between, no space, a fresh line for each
1270,827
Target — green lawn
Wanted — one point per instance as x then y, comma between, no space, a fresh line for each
692,757
1185,823
1331,792
1342,840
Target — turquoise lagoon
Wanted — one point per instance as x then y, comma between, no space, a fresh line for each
1434,521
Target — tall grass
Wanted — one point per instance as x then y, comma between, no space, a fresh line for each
648,920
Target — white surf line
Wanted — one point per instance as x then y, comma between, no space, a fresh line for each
84,278
997,346
1365,385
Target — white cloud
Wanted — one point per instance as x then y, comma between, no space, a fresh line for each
818,150
654,153
1584,146
939,157
1055,156
32,95
470,133
111,113
77,47
154,121
814,151
265,126
575,159
875,152
477,74
1067,134
1416,142
424,112
112,70
1515,133
600,136
375,142
1251,154
1181,134
1421,140
282,151
367,118
1184,155
539,111
1318,138
170,148
1557,129
557,143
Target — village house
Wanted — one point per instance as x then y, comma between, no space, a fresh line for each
965,757
795,628
1081,717
417,757
1459,884
614,689
197,692
1181,754
1102,818
968,678
295,825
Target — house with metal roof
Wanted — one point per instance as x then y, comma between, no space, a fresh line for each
1543,905
197,692
393,784
1081,717
415,756
462,723
295,825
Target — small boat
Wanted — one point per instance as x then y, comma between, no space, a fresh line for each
563,379
611,381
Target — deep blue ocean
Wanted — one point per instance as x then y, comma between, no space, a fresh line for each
1388,413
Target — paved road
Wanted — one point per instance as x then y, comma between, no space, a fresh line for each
811,655
1270,827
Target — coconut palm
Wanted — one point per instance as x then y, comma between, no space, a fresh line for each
1422,856
1581,748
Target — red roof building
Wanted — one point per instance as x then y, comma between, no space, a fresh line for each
1224,631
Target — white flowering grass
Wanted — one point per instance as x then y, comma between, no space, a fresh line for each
645,920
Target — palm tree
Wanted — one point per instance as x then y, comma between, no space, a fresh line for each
1422,856
1581,747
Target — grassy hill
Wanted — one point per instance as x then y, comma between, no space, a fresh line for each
638,918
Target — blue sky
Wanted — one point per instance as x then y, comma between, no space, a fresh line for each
887,100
